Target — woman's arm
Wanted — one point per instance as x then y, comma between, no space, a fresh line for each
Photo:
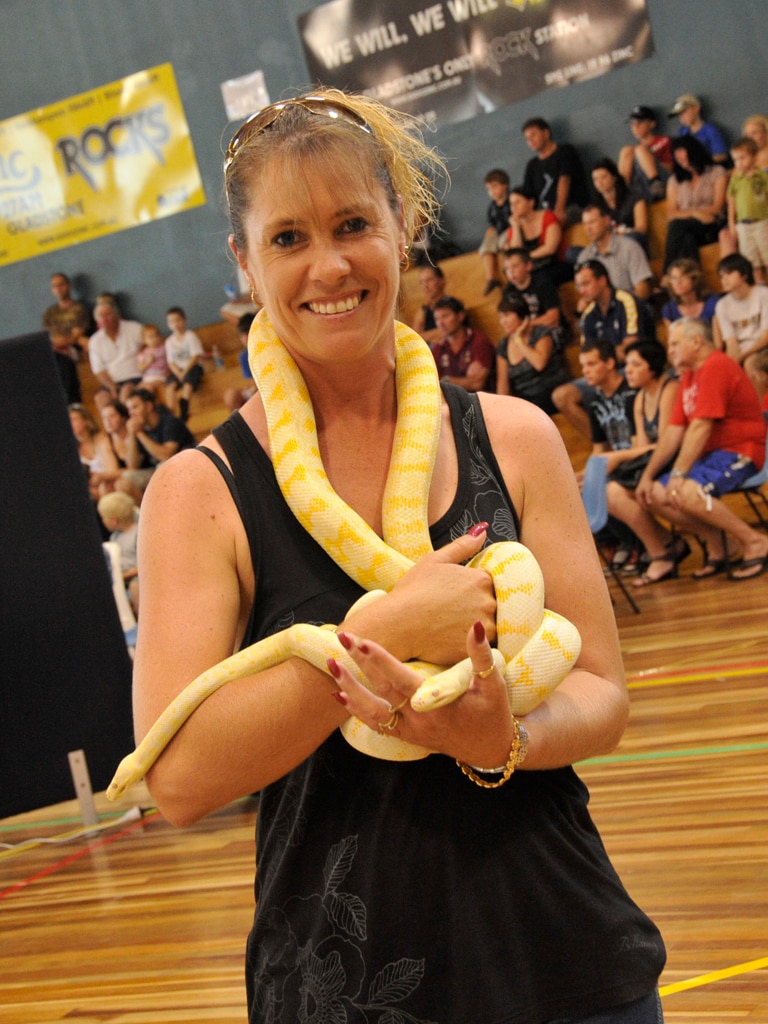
640,216
673,210
536,354
667,404
587,713
502,375
708,214
550,242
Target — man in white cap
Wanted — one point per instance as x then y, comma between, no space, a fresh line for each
688,109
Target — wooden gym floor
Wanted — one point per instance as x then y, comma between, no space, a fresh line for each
143,924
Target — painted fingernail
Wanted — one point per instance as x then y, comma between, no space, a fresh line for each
334,668
479,629
363,648
477,529
344,640
340,697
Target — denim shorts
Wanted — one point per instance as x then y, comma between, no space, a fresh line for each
642,1011
719,472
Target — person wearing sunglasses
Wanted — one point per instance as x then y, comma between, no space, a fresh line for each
411,890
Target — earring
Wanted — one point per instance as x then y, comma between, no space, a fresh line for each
254,297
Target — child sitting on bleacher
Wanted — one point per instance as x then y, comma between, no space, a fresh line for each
121,518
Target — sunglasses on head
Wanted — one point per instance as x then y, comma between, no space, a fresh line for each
265,118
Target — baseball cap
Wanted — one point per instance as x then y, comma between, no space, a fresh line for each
683,103
641,114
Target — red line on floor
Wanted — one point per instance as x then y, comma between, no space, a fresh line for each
51,869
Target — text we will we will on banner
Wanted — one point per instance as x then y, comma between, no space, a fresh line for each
453,60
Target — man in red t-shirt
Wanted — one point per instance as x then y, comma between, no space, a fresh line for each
715,440
464,356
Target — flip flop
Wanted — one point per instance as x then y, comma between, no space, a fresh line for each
751,563
712,567
645,580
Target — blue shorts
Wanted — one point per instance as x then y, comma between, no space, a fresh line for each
718,472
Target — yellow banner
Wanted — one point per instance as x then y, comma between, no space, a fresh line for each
96,163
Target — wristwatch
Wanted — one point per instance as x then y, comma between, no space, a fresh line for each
522,749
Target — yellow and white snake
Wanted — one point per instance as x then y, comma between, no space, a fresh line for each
535,647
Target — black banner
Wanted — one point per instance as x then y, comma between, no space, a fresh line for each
452,60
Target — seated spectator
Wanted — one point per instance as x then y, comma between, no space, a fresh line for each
626,207
65,356
715,441
184,352
464,356
747,192
432,283
695,200
609,407
688,294
497,215
760,378
235,398
539,232
120,518
687,109
67,316
537,289
93,447
742,313
555,175
152,359
154,433
610,314
623,258
756,128
655,392
646,166
114,348
529,358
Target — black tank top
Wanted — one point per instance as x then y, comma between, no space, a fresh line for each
403,891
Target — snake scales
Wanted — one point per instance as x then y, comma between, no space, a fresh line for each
535,647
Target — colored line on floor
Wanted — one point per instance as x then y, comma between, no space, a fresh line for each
700,675
713,976
52,868
661,755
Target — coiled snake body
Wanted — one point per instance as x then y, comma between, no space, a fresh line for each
535,647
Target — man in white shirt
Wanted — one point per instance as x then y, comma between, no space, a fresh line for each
113,349
742,313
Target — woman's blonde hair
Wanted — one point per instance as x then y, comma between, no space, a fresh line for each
390,148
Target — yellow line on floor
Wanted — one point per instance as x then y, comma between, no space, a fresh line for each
708,979
636,683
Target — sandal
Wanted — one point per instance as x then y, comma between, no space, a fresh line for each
671,574
712,567
760,563
678,549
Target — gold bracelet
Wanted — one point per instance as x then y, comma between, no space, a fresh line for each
509,768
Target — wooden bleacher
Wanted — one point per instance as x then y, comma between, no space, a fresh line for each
465,279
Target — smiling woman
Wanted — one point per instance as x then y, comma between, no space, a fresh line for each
365,900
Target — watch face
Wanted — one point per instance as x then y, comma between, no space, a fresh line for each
522,749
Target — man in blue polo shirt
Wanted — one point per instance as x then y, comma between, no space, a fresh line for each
611,314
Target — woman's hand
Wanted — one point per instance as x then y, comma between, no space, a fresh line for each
427,613
476,728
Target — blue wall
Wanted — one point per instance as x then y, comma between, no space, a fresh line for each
52,49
